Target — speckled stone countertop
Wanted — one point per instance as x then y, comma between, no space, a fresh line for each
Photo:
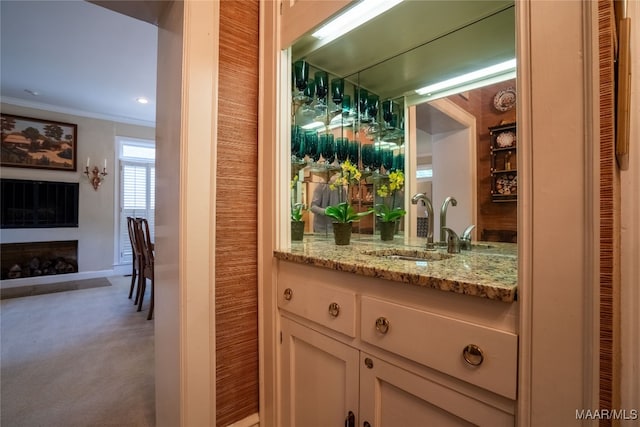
489,270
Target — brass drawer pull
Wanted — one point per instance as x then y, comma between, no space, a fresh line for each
288,294
473,355
382,325
334,309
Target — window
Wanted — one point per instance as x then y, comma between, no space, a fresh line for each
137,189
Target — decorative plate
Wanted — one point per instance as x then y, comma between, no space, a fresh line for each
505,100
506,139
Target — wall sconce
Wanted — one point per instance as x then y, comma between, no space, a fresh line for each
94,175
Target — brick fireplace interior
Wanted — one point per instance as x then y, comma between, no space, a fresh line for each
38,259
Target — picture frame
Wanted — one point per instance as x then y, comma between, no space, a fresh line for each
37,143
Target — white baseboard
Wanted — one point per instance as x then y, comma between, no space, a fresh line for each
252,420
57,278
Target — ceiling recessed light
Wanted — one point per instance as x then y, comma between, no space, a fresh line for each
32,92
142,100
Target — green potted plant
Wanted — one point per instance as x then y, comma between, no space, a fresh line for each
387,213
297,223
343,214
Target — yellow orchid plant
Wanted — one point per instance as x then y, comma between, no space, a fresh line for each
389,212
344,212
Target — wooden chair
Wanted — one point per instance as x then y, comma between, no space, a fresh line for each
135,254
148,260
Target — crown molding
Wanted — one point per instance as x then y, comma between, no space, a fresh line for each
64,110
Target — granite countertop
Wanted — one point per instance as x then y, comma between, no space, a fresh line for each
489,270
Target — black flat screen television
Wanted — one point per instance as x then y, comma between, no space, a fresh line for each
38,204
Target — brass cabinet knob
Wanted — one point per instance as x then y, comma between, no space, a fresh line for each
334,309
473,355
288,294
382,325
368,362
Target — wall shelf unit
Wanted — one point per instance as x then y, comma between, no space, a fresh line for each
504,169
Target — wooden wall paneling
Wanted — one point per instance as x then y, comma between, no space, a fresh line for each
609,210
236,215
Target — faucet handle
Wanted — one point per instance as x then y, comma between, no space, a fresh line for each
465,239
453,241
466,234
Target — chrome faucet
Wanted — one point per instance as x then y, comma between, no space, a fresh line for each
465,238
443,216
427,202
453,241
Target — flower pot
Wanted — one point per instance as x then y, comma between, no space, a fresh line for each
387,230
342,233
297,230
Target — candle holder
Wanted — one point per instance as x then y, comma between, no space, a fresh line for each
95,176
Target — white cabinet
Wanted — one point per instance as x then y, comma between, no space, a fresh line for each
391,396
319,379
351,344
445,340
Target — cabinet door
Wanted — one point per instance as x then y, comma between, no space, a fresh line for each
391,396
319,378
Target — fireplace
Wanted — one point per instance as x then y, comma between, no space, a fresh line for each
19,260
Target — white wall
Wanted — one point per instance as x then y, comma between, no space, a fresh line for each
630,238
168,324
95,232
452,169
554,285
185,352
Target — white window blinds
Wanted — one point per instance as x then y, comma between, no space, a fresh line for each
137,191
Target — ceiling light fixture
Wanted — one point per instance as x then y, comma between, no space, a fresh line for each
495,73
353,18
142,100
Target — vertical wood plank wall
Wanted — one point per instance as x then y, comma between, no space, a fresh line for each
609,208
236,215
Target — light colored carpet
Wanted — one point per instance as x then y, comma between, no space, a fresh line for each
72,285
82,358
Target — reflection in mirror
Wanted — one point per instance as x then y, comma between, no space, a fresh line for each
330,134
454,158
359,105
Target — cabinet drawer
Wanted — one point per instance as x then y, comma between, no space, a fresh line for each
332,307
438,342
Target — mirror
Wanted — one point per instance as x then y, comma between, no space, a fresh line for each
446,133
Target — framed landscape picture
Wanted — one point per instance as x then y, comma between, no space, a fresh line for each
36,143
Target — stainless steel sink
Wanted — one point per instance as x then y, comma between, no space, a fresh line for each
408,254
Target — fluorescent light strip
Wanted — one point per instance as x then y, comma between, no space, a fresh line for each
353,18
313,125
497,69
